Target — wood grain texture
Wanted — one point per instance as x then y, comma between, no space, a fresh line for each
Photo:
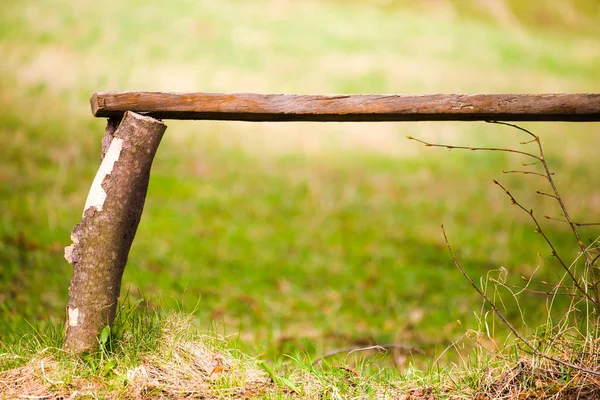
359,107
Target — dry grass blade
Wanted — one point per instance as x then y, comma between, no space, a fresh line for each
378,347
538,379
489,301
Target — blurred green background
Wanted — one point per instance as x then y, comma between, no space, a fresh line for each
297,236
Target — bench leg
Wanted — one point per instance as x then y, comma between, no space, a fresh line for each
101,241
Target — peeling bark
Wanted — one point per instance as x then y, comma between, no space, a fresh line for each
101,241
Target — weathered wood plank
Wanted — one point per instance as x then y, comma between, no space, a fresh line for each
359,107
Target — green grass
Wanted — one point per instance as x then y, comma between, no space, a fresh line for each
154,353
148,353
297,237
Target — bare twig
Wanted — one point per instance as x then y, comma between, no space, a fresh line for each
560,201
576,223
451,147
546,194
379,347
539,230
595,299
535,138
507,323
525,173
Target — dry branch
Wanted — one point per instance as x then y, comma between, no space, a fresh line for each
358,107
534,350
101,241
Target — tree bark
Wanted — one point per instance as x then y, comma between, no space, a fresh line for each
101,241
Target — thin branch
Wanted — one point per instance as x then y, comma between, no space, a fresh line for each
594,283
546,194
507,323
379,347
450,147
587,256
529,141
535,138
576,223
524,173
554,252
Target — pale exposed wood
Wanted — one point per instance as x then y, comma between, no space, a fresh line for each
284,107
101,241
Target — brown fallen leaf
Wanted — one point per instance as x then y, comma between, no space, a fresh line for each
218,367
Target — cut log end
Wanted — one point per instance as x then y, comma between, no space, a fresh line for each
94,103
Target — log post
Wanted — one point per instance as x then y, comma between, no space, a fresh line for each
112,212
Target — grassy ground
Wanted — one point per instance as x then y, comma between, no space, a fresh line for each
156,354
299,237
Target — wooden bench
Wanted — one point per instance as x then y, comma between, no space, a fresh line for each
101,241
